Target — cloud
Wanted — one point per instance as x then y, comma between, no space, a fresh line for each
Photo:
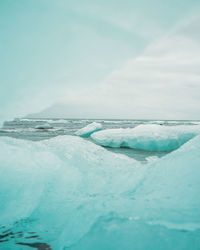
162,83
75,47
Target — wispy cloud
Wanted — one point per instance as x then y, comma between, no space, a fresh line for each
61,46
162,83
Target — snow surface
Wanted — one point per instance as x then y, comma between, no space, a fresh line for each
89,129
147,137
78,195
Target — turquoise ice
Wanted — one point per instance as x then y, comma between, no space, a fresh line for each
89,129
77,195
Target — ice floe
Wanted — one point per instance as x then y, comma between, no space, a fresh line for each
89,129
147,137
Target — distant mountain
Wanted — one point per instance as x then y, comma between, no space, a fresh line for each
71,111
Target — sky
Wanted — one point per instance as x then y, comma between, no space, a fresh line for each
100,59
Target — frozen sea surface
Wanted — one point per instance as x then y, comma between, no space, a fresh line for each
59,191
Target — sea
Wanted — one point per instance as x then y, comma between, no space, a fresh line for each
26,129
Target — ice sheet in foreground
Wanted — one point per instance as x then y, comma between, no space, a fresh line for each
147,137
89,129
77,195
161,213
60,184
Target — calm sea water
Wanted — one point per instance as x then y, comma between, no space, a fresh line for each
24,128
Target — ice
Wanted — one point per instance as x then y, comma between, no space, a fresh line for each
44,126
163,213
89,129
170,189
59,182
77,195
147,137
117,233
152,158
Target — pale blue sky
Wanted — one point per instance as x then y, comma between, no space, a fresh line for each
50,45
